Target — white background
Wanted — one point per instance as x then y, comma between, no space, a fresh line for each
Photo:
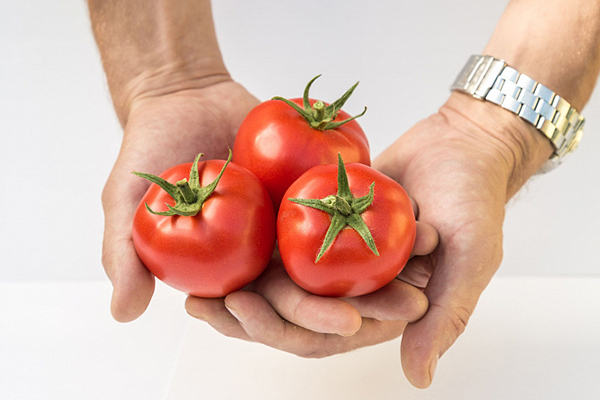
60,137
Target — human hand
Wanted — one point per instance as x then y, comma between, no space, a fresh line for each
461,165
274,311
161,131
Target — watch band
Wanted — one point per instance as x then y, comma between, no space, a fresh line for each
491,79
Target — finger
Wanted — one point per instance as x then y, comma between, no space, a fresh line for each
426,239
316,313
214,312
133,284
264,325
418,271
415,207
461,274
400,300
397,301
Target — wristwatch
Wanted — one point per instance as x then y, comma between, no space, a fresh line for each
488,78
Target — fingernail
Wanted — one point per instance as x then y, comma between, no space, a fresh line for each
233,312
432,368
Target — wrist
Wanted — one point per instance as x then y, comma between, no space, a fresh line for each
150,49
163,71
511,145
160,80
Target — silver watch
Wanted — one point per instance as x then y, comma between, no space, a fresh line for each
491,79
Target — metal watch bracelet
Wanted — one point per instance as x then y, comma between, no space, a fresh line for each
491,79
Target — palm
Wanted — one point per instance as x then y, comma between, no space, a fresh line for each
161,132
461,190
175,128
456,194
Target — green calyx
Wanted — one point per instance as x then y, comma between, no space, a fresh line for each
320,116
189,196
345,209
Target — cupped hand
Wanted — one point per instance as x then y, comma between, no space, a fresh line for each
461,165
274,311
161,131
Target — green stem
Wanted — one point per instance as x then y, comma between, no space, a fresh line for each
186,191
339,204
345,210
319,116
338,222
189,196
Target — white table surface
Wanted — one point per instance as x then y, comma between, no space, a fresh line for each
530,338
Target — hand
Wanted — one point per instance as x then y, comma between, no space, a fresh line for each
461,166
276,312
161,131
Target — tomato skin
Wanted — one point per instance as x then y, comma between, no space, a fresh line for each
348,268
277,144
224,247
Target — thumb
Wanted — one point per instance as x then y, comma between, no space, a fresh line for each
133,284
461,274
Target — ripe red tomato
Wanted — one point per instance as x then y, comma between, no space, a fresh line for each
223,247
353,263
279,142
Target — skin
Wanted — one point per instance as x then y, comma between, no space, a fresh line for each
461,165
174,99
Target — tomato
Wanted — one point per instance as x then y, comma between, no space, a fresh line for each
348,236
281,139
224,246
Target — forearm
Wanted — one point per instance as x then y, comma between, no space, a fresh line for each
150,48
556,42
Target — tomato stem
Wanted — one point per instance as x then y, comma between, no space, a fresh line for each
321,116
320,119
339,204
345,210
189,196
186,191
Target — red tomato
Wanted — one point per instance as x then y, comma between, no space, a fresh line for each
278,144
349,266
222,248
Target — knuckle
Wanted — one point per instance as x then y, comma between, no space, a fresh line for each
459,319
327,345
315,347
308,353
230,333
114,254
106,258
312,353
105,196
